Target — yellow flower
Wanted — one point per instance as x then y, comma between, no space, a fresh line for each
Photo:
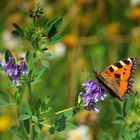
70,41
5,123
135,13
113,28
45,129
87,117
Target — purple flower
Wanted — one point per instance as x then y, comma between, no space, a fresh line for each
15,69
93,94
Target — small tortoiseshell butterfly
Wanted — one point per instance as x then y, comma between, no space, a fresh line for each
117,78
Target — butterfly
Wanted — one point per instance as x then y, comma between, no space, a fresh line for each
117,78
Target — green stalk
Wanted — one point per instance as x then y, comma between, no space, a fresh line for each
29,94
32,136
68,109
20,91
22,125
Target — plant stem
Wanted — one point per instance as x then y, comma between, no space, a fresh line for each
30,94
21,124
32,137
68,109
20,91
31,131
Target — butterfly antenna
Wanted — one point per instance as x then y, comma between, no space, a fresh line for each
93,64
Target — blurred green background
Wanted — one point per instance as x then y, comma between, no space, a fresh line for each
107,30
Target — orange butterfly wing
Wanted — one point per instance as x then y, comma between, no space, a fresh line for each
118,77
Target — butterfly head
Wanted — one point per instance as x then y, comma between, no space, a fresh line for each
95,73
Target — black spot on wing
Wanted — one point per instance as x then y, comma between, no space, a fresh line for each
118,65
117,75
111,69
127,62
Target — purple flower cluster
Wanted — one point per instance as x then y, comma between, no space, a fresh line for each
93,94
14,70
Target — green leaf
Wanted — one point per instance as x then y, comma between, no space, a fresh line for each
36,81
119,119
26,108
34,118
117,107
4,96
60,123
54,40
137,94
55,27
17,27
45,63
49,23
27,125
46,100
44,105
24,117
29,60
18,31
46,55
71,113
17,96
38,104
70,126
127,134
1,67
8,55
51,131
37,129
127,105
38,72
15,129
107,137
46,23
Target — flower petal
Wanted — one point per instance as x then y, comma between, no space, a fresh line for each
93,94
96,109
14,70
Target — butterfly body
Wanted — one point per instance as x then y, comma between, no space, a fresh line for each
117,78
